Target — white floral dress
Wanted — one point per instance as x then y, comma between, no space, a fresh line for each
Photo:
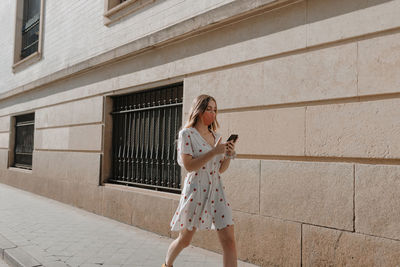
203,203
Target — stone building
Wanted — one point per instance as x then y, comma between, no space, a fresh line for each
93,92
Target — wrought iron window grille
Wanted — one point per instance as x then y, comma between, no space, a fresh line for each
24,137
145,129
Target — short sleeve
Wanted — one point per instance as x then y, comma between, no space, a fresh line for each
185,145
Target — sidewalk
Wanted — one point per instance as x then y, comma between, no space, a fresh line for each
3,264
44,232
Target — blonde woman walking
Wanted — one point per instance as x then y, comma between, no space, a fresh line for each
203,204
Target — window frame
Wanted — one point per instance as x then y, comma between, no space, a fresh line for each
120,109
18,62
115,10
13,163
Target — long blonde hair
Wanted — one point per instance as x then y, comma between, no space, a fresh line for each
199,105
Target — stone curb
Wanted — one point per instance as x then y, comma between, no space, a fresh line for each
16,256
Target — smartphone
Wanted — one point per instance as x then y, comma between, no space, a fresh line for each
232,137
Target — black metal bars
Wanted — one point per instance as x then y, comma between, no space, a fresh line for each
23,149
145,127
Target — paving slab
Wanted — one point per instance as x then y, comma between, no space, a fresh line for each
37,231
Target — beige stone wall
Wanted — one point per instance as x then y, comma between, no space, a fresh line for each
312,90
74,31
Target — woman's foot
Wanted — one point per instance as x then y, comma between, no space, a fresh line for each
165,265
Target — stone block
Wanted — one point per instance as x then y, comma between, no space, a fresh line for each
312,192
242,184
5,124
379,65
89,110
329,247
76,167
87,137
368,129
267,241
329,21
377,200
4,140
279,131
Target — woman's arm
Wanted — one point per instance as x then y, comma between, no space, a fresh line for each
192,164
230,150
224,165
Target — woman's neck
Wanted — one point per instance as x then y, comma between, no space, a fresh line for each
201,128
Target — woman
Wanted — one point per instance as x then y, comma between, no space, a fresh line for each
203,204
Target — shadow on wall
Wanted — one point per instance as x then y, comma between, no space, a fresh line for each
252,28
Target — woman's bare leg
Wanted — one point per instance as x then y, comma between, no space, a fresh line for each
183,241
227,238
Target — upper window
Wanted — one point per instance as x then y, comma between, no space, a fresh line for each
30,27
116,9
28,32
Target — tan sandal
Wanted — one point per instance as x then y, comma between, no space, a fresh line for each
165,265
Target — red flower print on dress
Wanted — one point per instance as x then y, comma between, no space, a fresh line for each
194,189
199,203
209,182
191,199
222,216
212,201
190,220
210,172
215,211
204,167
181,224
200,150
204,190
220,199
187,144
216,189
199,218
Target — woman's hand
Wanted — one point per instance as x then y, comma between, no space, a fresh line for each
219,148
230,147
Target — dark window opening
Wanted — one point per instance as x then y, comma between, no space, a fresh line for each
145,127
30,27
24,129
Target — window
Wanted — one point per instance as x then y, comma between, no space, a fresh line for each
114,10
145,127
28,32
23,140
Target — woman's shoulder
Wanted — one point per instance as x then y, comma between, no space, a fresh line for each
186,130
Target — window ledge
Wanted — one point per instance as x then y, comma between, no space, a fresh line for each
118,12
35,57
20,169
